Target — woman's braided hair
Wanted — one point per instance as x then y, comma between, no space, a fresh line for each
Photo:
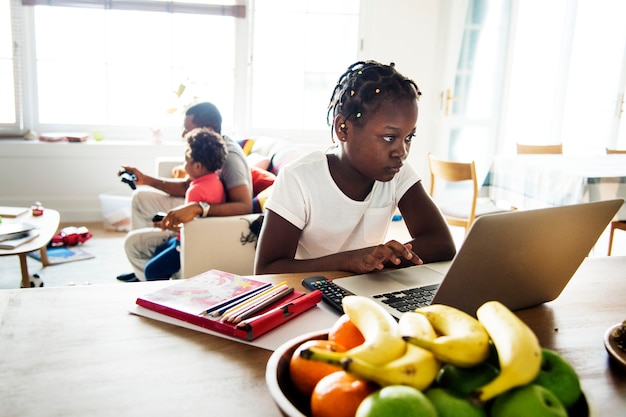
364,86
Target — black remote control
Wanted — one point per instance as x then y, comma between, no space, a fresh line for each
331,292
128,178
158,217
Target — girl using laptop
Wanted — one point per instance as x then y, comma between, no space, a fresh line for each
331,211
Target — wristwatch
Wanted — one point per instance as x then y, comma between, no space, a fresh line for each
205,208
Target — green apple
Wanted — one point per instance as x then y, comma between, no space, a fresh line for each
557,375
396,401
449,405
528,400
463,381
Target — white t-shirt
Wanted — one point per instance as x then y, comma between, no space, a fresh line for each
306,195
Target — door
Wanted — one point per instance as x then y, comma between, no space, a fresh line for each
471,96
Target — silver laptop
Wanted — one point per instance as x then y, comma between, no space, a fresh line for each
520,258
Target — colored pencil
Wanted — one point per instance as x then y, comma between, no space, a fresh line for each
245,304
246,314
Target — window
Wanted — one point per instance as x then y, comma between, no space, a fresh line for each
539,72
8,115
296,68
567,72
125,72
103,70
475,106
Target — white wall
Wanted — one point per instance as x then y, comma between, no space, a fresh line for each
69,177
408,32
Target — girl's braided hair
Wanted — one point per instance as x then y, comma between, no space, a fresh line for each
364,86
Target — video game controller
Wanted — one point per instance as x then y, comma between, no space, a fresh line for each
129,178
158,217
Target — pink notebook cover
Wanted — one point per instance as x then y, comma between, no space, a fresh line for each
195,295
188,299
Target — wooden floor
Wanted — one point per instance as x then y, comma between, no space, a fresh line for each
110,259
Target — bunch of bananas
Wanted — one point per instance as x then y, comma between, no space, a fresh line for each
413,350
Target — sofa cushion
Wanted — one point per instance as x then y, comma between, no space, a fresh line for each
279,151
246,145
258,160
261,179
258,202
179,171
283,157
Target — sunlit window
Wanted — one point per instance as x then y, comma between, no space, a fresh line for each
124,68
7,92
268,65
295,68
567,69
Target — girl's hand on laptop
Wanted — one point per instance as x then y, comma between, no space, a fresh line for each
392,252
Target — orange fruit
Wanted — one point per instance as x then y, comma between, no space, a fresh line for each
345,333
339,395
305,373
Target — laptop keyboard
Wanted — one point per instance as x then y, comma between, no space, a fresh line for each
402,301
409,299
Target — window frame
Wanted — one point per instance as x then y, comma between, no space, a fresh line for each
25,65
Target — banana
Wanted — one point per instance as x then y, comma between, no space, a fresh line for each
416,326
380,331
462,340
519,352
417,368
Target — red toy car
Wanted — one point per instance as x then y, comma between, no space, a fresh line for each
70,236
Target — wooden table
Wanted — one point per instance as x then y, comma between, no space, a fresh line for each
47,224
75,351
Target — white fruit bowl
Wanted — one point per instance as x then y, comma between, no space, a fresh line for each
290,402
293,404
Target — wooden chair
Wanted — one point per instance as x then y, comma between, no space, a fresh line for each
539,149
615,224
459,213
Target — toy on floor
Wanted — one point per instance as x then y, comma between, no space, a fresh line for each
70,236
36,281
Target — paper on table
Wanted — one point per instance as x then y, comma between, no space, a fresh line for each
14,243
14,230
315,319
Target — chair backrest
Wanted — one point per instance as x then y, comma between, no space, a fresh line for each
452,171
538,149
615,151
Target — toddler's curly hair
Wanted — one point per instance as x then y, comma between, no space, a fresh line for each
206,147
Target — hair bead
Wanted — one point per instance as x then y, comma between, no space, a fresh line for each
364,86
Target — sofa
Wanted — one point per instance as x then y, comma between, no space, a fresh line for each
228,243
